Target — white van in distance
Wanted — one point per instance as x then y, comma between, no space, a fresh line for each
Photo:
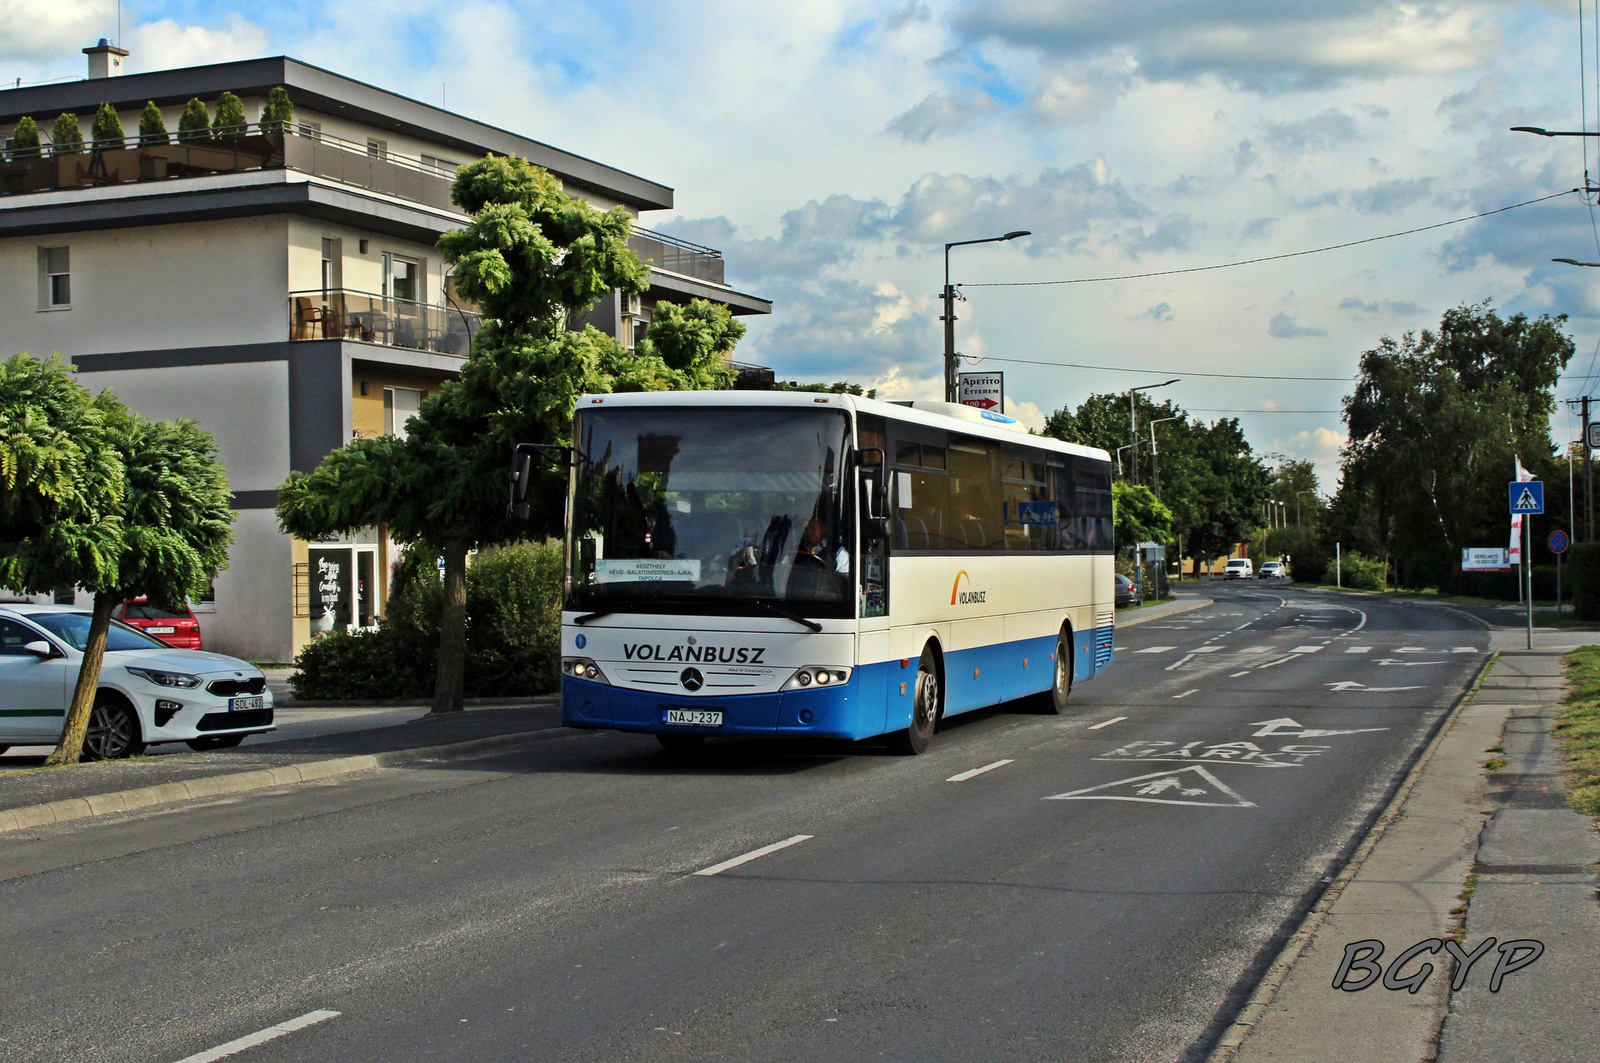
1238,568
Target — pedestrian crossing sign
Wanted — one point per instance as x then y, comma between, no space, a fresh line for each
1527,497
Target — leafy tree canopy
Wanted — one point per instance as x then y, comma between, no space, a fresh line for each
1138,515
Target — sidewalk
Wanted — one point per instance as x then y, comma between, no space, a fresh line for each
1534,864
32,788
1181,603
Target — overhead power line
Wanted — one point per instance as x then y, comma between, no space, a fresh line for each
1269,258
1196,410
1168,372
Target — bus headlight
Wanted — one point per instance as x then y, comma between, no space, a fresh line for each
817,675
583,668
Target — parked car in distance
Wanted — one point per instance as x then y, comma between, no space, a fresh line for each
149,692
1273,570
177,629
1238,568
1125,593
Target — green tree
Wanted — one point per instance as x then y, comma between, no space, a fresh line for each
1231,490
278,112
532,258
229,124
195,122
26,135
106,130
152,126
1435,422
66,136
1295,486
130,507
1138,515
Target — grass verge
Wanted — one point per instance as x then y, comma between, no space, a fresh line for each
1578,729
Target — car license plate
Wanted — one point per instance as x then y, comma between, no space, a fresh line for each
245,704
693,717
160,630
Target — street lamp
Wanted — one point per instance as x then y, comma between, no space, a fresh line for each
949,318
1539,132
1297,495
1133,418
1574,262
1155,463
1129,446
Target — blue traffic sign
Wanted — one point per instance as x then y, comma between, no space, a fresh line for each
1527,496
1559,542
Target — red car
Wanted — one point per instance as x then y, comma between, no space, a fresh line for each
177,629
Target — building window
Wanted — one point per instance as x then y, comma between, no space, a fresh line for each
378,149
404,277
399,406
332,264
311,130
445,167
55,279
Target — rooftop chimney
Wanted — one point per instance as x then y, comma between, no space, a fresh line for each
105,59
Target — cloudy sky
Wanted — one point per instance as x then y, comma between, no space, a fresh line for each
830,149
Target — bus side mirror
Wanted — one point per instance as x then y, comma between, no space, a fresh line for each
874,483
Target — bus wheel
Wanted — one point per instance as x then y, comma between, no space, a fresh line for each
1054,700
925,709
681,743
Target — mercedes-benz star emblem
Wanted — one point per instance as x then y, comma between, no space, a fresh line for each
692,679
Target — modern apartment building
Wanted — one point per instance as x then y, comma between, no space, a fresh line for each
282,287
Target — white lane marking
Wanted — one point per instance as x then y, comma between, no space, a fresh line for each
1206,649
1155,649
1254,649
1106,723
973,773
1463,649
1412,649
753,854
1358,649
1186,693
1280,660
1181,661
1236,675
260,1037
1305,649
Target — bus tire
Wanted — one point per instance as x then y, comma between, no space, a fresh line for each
1054,701
927,705
681,743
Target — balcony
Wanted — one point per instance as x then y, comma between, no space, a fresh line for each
43,169
338,314
679,256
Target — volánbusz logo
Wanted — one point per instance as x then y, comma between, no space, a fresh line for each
650,651
968,596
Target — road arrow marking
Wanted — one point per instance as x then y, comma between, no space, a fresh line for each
1286,727
1182,786
1347,685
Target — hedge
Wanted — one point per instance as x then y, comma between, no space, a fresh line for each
513,632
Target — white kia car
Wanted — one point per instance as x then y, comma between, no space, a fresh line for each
149,692
1273,570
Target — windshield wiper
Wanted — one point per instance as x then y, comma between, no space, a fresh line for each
596,615
787,614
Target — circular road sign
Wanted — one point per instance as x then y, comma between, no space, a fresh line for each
1559,542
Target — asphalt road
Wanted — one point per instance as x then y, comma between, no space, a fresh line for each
544,904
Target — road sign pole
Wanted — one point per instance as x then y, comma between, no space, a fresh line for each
1527,563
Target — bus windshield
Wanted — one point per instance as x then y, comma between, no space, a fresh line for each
711,509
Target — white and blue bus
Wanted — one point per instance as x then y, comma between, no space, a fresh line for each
786,564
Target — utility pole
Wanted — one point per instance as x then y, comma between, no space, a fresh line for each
1588,478
950,298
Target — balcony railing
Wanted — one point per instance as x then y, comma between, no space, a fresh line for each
680,256
341,314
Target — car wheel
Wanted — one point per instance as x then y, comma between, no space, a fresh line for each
201,745
113,731
927,705
681,743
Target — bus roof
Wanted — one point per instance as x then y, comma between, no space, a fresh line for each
892,410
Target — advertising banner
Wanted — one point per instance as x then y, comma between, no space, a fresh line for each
1484,559
986,391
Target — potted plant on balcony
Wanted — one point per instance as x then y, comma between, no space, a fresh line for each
152,127
112,161
106,131
278,113
195,122
26,135
26,170
66,136
229,124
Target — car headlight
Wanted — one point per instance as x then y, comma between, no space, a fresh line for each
583,668
165,679
817,675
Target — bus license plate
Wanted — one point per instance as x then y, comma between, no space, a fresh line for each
694,717
245,704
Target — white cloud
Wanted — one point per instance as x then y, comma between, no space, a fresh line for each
165,43
44,29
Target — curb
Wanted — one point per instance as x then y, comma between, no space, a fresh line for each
1142,617
1234,1034
412,703
73,808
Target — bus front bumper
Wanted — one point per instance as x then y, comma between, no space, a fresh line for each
830,712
